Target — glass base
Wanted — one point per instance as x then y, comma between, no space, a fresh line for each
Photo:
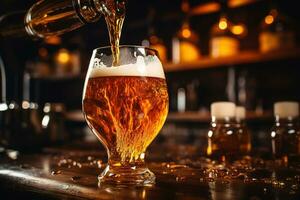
133,176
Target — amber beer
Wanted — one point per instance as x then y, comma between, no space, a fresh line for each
125,112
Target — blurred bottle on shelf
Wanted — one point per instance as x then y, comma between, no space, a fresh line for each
223,137
184,45
225,35
224,39
243,131
285,134
277,32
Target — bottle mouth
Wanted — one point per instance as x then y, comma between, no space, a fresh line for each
89,11
223,119
287,118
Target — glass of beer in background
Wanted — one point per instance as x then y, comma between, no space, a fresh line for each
126,106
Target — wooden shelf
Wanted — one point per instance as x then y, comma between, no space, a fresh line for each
205,117
249,57
190,116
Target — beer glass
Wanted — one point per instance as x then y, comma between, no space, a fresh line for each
125,106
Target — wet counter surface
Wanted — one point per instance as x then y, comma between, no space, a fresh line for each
72,174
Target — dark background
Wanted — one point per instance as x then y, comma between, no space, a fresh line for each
278,81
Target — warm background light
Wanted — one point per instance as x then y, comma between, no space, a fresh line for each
63,56
186,33
238,29
188,52
53,40
269,19
223,24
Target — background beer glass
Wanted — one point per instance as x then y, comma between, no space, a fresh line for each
126,106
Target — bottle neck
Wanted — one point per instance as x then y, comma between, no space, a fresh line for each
108,8
89,10
286,120
223,120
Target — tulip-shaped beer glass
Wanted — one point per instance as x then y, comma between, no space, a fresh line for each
126,106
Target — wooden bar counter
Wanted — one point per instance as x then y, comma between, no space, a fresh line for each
72,174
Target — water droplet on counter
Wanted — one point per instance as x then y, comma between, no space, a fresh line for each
174,166
241,176
225,181
180,178
76,178
289,179
210,179
267,181
247,180
56,172
62,162
12,154
278,184
66,187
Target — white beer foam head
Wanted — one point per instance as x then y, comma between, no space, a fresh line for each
221,110
286,109
149,66
240,112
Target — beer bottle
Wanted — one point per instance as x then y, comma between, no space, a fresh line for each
223,140
285,134
54,17
277,31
